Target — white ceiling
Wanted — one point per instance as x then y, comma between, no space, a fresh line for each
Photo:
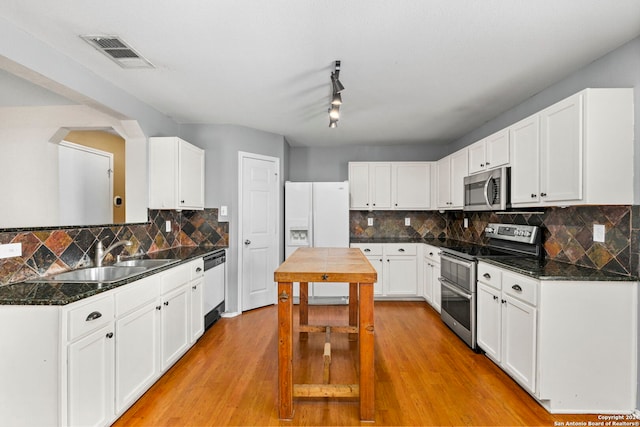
415,71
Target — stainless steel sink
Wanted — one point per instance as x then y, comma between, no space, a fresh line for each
146,263
94,275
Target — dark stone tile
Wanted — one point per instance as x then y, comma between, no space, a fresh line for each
72,255
42,260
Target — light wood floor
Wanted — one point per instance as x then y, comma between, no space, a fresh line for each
425,375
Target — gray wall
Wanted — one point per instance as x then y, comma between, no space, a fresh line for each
222,144
330,163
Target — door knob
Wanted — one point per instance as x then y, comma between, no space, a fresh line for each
247,242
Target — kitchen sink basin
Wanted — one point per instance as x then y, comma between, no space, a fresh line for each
146,263
106,274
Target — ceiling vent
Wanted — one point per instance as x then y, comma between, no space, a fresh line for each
118,51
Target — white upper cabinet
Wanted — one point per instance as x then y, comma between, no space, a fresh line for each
489,153
176,174
389,185
411,187
451,173
575,152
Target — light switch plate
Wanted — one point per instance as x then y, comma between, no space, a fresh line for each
10,250
598,233
407,222
369,222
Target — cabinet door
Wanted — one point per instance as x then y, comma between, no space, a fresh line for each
197,310
477,157
359,185
380,185
561,151
443,167
90,379
519,341
376,262
190,176
489,321
174,325
427,278
402,275
525,142
497,149
411,183
437,289
459,170
137,353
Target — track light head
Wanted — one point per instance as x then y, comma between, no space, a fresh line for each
336,99
334,112
333,123
337,85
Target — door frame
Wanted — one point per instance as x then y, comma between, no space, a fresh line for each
241,156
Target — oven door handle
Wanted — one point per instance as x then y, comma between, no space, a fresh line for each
454,289
468,264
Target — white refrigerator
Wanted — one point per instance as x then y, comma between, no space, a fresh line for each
317,215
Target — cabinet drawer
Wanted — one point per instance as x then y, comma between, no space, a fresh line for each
175,277
432,252
369,249
490,275
137,294
197,268
400,249
90,316
520,287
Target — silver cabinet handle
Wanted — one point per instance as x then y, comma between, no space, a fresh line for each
247,242
93,316
516,288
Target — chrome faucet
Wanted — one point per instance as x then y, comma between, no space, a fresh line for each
101,252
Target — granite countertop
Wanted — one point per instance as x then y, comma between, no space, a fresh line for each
60,293
546,270
555,270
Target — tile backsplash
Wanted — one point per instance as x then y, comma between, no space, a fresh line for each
568,232
49,251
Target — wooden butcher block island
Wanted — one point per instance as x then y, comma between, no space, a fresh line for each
326,265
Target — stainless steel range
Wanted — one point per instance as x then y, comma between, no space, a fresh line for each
459,269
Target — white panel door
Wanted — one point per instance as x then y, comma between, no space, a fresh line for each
85,185
174,325
259,213
525,160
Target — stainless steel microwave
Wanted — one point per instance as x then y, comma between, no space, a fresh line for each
488,191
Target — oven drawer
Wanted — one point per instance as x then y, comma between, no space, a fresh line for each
520,287
490,275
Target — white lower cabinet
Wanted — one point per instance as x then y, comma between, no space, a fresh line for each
506,322
397,268
555,338
430,275
94,358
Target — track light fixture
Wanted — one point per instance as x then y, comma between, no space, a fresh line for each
336,98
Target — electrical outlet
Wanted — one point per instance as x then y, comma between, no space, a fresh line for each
167,226
10,250
598,233
466,222
223,211
369,222
407,222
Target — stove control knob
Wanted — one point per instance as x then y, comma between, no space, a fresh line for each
488,230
